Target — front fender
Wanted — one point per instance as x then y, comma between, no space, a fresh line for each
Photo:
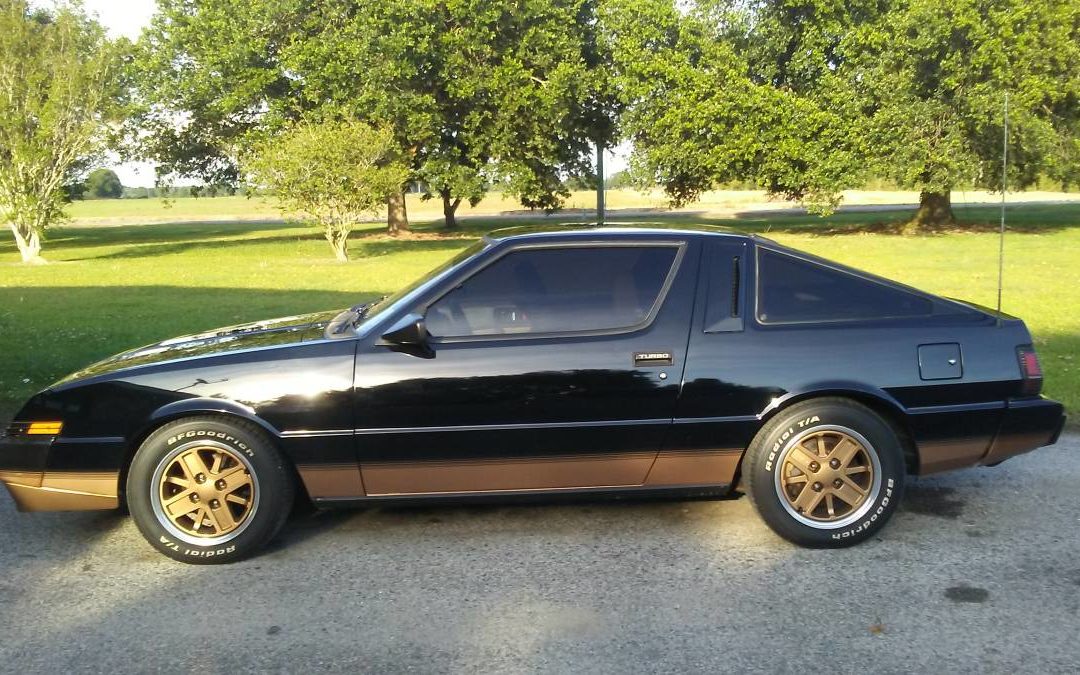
203,406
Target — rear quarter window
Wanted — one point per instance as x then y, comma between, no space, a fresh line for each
793,290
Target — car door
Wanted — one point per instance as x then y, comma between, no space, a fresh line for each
723,388
550,366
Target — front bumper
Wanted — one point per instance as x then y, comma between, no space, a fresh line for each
34,487
1026,424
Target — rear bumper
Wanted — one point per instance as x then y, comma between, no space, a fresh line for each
1026,424
34,487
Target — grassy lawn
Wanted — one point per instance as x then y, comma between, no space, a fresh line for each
111,288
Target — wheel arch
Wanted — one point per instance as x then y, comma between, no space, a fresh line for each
891,410
199,407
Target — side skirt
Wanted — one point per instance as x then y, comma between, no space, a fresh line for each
635,492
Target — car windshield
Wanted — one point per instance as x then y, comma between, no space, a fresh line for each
386,302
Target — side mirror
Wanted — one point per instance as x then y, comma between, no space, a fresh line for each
409,330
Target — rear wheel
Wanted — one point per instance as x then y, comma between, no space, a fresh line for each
826,472
209,490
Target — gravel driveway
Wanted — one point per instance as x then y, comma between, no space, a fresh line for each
979,571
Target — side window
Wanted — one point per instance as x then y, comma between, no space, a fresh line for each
795,290
556,290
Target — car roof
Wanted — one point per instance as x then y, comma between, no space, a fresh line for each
571,231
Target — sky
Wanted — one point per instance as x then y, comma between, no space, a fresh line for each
128,17
122,17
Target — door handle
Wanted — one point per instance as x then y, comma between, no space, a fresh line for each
653,359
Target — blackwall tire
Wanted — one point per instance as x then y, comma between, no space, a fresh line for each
826,473
209,490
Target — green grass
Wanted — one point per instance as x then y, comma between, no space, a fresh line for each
111,288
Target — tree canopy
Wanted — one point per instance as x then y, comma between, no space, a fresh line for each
807,97
476,92
59,87
932,78
697,119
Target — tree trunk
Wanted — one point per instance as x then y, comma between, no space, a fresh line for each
397,217
449,209
935,212
29,245
339,241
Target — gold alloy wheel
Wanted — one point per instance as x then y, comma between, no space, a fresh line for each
206,491
827,475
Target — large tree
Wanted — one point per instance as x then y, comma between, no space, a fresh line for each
476,92
697,118
59,78
932,78
807,97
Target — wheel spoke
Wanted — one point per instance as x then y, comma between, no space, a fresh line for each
797,479
850,492
807,500
223,518
181,505
215,468
212,516
236,499
178,481
801,458
230,472
196,517
853,470
234,481
194,464
844,451
829,505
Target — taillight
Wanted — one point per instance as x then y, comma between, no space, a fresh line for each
1030,370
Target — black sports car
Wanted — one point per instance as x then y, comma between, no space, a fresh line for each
614,361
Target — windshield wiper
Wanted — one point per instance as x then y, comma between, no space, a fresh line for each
363,308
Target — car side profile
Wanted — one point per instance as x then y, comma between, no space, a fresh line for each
544,362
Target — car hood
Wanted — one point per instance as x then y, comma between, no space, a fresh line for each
259,334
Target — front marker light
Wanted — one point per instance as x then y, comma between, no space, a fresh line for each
44,428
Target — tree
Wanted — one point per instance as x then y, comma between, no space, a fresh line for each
59,86
476,92
806,97
484,92
931,79
333,173
104,184
698,119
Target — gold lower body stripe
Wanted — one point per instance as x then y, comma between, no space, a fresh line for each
62,490
557,472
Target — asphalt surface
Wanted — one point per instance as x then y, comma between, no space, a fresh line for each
979,571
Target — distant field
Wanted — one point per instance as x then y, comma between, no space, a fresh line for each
111,288
717,203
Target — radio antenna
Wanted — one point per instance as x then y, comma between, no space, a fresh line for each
1004,184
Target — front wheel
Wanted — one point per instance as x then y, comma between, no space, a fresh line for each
826,473
208,490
